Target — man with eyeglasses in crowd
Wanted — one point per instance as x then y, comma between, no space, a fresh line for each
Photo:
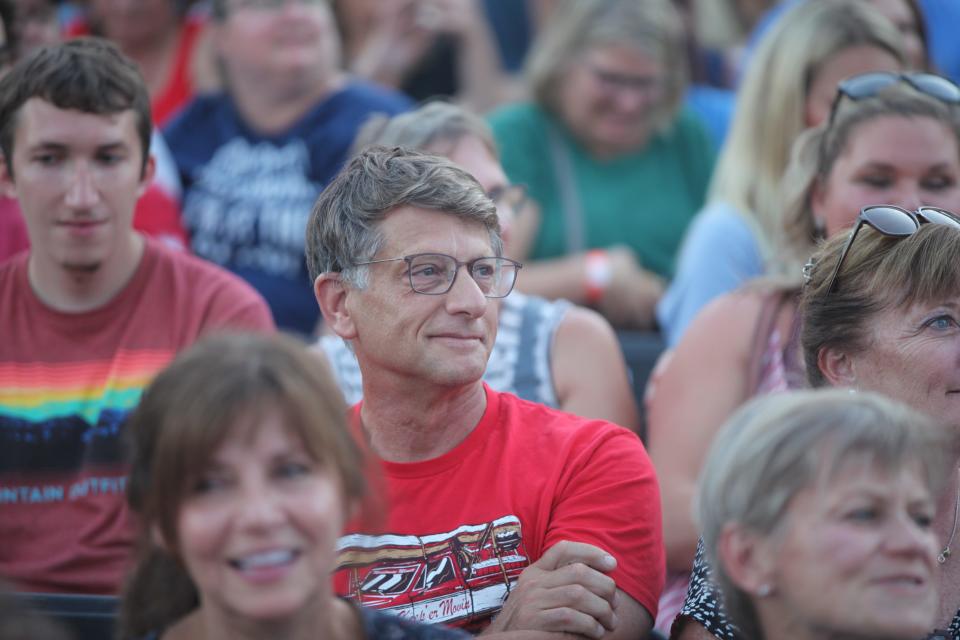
502,514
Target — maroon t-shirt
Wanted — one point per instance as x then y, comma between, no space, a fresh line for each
67,383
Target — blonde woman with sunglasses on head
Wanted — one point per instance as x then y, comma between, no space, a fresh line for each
898,146
788,87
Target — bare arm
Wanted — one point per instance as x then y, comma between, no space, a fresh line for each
482,78
389,45
589,371
700,385
633,621
567,592
404,31
628,301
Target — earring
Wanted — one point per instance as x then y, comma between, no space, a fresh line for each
819,229
764,590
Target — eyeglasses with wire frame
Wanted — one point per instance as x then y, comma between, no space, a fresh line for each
894,222
867,85
433,274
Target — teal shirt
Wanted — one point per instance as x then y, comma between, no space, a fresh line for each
644,200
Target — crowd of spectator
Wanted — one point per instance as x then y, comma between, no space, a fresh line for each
358,318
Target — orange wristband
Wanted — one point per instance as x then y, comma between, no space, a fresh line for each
597,275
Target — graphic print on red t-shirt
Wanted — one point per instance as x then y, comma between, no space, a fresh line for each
454,577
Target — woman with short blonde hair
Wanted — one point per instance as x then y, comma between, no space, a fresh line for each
817,508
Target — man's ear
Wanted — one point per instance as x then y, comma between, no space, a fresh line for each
332,296
748,558
837,367
7,187
149,169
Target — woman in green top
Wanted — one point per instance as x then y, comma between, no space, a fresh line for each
616,166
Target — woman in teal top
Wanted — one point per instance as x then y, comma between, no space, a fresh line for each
617,167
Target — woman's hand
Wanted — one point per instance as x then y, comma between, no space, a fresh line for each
632,293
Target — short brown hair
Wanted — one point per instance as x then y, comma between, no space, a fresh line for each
84,74
222,384
879,273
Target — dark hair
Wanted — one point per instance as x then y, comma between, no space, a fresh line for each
85,74
219,386
878,273
8,17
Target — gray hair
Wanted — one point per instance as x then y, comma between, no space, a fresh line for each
815,153
432,124
779,444
343,226
578,25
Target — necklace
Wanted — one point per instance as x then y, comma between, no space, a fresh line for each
945,552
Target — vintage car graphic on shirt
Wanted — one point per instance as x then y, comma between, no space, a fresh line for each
457,578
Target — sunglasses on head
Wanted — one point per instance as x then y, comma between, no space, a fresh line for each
893,222
867,85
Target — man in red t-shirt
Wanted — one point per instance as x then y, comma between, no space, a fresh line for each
502,515
89,314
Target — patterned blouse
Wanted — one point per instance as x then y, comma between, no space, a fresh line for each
704,604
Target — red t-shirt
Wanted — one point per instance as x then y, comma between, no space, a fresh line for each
67,383
13,230
459,527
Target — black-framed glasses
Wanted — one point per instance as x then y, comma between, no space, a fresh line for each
894,222
433,274
867,85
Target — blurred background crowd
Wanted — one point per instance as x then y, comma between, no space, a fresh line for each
664,170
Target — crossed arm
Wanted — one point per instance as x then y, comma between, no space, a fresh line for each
567,592
603,551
